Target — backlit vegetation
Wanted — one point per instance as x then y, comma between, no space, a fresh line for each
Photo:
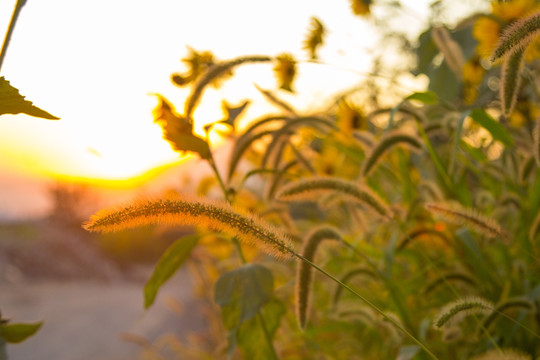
432,204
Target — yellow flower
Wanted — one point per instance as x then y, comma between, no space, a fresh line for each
514,9
350,117
517,119
487,29
360,7
473,74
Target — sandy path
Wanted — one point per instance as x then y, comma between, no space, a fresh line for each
83,319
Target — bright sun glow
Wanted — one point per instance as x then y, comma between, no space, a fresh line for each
94,64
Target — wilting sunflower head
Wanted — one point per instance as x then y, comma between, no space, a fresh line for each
360,7
350,117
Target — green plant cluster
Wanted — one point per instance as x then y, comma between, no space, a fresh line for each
433,206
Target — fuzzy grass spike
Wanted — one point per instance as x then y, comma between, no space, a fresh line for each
304,275
456,311
217,216
310,189
517,36
387,142
511,81
468,217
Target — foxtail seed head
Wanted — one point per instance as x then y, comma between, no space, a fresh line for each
517,36
311,189
511,81
468,217
456,311
502,354
304,275
217,216
387,142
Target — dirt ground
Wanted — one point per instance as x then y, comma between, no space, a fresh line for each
85,319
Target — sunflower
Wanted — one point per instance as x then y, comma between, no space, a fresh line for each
350,117
285,71
473,74
488,28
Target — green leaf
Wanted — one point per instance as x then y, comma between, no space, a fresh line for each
497,131
251,334
178,131
428,97
15,333
11,102
172,259
242,292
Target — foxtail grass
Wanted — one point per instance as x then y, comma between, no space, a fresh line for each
470,218
511,81
387,142
456,311
214,72
311,188
420,232
453,55
444,279
502,354
217,216
517,36
514,303
304,275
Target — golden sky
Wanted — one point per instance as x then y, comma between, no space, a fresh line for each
94,64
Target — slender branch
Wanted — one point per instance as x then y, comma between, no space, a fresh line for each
13,21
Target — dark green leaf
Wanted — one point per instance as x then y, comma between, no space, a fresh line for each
251,337
497,131
11,102
428,97
15,333
171,261
242,292
444,82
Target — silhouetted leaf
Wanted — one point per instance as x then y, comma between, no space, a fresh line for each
15,333
178,131
11,102
231,114
168,264
497,131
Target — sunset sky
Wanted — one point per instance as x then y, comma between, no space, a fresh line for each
94,64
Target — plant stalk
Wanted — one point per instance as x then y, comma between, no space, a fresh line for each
18,6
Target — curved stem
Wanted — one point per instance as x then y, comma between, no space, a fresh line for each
13,21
